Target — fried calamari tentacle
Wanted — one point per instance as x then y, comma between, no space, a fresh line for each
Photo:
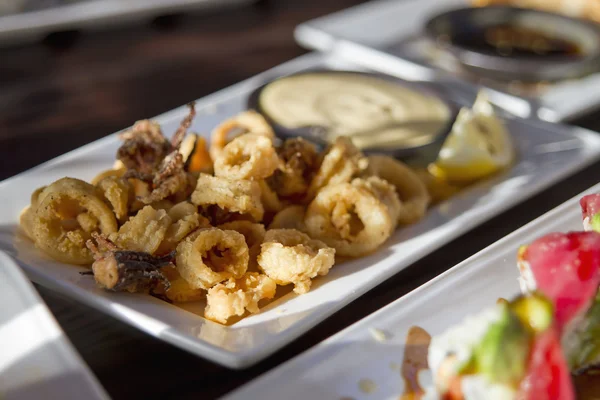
144,232
219,197
411,190
439,190
384,191
253,233
116,192
291,217
350,219
185,219
56,229
180,133
234,297
290,256
247,156
245,122
339,164
298,164
123,270
170,179
269,198
209,256
144,147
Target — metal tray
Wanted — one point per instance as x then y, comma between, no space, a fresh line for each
386,35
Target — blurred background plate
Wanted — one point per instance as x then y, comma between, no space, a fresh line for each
388,36
37,360
23,21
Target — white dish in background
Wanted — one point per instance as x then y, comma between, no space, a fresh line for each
36,358
334,368
27,26
373,34
547,153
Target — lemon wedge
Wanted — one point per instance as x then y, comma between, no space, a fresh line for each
478,145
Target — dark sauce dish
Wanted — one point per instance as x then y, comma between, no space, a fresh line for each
511,43
414,153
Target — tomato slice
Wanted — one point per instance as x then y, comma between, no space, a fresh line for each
548,376
566,267
590,205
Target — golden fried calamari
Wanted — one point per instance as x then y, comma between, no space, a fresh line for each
220,196
269,198
179,290
212,255
350,218
253,233
144,232
291,217
185,219
55,226
298,164
236,296
247,156
339,164
116,191
411,190
245,122
290,256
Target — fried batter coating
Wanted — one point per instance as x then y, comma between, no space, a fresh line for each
247,156
179,290
185,219
384,192
245,122
55,226
116,172
298,164
26,219
116,192
269,198
234,297
349,218
439,190
411,190
290,256
144,232
253,233
339,164
291,217
242,197
212,255
170,179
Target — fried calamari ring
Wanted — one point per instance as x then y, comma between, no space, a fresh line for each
242,197
247,157
234,297
350,219
411,190
340,162
26,219
144,232
212,255
116,192
56,230
269,198
185,219
384,192
291,217
290,256
438,189
253,233
246,122
298,162
179,290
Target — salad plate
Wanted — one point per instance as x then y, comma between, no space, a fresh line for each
546,152
366,360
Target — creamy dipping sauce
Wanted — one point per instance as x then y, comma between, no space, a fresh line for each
374,112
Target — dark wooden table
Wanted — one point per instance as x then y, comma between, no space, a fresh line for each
72,89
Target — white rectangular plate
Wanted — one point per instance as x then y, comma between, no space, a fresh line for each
37,359
369,34
547,153
334,368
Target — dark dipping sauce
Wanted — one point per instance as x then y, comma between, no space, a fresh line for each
511,40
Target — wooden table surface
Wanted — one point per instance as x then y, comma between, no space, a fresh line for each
72,89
